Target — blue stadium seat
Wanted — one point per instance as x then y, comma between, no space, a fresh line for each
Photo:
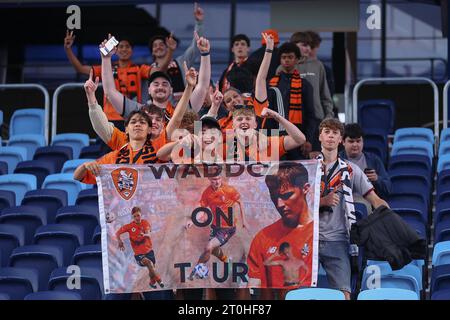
18,282
56,154
443,200
444,148
12,156
64,181
443,181
415,134
411,184
315,294
91,282
19,183
28,217
441,253
43,258
388,294
408,201
11,237
442,215
418,226
27,121
40,169
83,216
440,278
1,117
91,152
377,115
66,236
88,197
442,231
28,141
53,295
411,165
7,199
71,165
97,237
443,161
89,256
413,147
361,209
412,214
445,135
441,295
3,167
376,143
48,199
76,141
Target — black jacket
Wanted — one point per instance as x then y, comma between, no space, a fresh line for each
386,236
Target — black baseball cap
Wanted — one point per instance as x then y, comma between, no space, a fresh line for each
159,74
210,122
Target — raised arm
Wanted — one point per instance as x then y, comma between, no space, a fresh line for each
175,121
171,46
294,138
68,42
109,87
261,78
201,89
216,101
269,261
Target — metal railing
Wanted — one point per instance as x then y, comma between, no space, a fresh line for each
358,85
445,105
46,100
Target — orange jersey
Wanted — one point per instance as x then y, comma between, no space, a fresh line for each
267,243
128,81
225,197
125,155
226,123
272,152
140,244
119,139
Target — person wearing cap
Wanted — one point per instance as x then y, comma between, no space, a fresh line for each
255,59
128,77
159,51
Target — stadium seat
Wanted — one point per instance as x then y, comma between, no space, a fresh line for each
19,183
413,147
445,135
67,237
55,154
411,165
315,294
53,295
97,237
25,121
43,258
361,209
418,226
91,281
64,181
443,181
442,231
28,217
444,148
48,199
377,115
12,156
91,152
376,143
1,117
11,237
408,201
76,141
18,282
3,167
28,141
387,294
88,197
412,214
441,253
40,169
83,216
71,165
414,134
89,256
441,295
440,278
443,161
443,200
411,184
7,199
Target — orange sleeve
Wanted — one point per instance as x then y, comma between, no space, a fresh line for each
122,230
144,71
204,200
97,71
118,139
159,142
108,158
254,259
259,106
281,149
234,195
148,226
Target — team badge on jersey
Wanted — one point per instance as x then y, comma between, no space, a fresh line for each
272,250
305,250
125,181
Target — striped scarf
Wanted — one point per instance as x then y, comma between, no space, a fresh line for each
295,97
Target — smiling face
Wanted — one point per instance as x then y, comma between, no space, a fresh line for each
244,123
231,98
160,90
138,128
159,48
210,136
124,50
157,124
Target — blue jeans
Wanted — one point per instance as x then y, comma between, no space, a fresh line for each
334,257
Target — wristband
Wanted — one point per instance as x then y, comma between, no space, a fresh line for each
269,50
204,54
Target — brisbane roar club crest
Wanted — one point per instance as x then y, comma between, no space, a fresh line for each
125,181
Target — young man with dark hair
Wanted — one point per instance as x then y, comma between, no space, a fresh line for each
237,74
369,163
340,179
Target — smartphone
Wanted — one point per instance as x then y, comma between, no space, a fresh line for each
367,170
109,45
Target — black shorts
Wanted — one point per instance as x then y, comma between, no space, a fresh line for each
222,234
150,256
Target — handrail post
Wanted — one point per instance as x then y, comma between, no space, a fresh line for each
445,105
